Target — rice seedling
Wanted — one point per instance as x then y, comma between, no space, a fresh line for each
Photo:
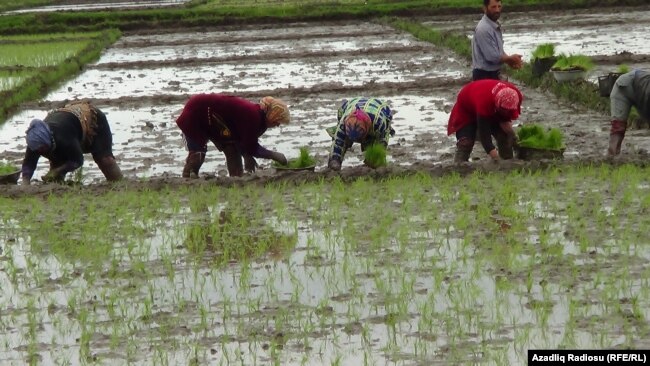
573,62
375,156
7,168
418,271
544,50
304,160
39,54
11,80
535,136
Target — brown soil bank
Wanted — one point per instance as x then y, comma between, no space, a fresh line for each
270,177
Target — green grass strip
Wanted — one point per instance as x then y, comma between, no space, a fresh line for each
39,54
207,13
11,80
38,85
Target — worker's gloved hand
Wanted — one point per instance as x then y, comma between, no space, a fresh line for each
334,164
279,157
250,164
494,154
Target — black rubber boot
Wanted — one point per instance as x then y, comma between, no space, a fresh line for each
464,148
193,164
233,160
505,146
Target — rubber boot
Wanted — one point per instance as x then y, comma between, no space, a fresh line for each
464,148
616,135
109,167
250,164
233,160
193,164
505,145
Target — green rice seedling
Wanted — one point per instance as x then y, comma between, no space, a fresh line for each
11,80
304,160
623,69
544,50
47,37
7,168
535,136
375,156
39,54
573,62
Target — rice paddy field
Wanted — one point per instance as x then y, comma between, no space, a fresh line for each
419,262
430,271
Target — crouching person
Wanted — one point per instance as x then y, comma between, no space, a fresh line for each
630,90
64,136
365,121
234,126
485,108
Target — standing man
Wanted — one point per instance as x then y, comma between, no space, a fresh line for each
630,89
64,136
485,108
487,45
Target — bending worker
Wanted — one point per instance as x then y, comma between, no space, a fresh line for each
485,108
363,120
64,136
233,125
630,89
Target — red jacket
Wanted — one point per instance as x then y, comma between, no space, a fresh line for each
476,99
221,118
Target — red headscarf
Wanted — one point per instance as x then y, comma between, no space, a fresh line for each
357,125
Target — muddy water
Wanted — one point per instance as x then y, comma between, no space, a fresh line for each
143,81
383,287
600,32
612,36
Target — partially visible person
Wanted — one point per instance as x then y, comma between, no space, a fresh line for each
487,45
485,108
631,89
64,136
363,120
233,125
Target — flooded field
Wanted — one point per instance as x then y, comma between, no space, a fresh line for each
611,35
419,270
143,81
327,274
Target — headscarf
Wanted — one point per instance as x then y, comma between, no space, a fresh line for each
357,125
276,111
507,99
38,135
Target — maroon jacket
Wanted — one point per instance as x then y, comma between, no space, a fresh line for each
223,118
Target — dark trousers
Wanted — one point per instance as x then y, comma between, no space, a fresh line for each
478,74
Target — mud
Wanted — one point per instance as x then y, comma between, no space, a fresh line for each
143,81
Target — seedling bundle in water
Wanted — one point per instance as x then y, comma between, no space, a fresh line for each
6,168
535,136
305,160
375,155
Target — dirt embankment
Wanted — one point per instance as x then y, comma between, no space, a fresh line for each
270,176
